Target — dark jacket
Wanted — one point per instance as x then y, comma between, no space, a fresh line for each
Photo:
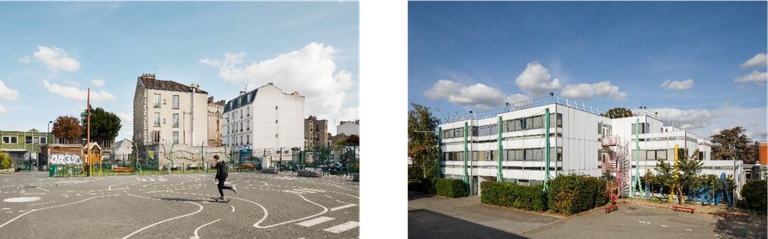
221,170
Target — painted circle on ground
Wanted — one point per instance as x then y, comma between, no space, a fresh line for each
21,199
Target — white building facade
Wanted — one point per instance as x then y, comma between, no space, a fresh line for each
168,112
349,128
576,135
264,118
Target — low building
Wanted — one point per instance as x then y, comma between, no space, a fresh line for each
23,146
581,140
122,150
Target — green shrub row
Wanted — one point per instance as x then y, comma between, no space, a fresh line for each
573,194
513,195
445,187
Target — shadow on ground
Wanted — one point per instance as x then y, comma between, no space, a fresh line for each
741,228
415,195
428,224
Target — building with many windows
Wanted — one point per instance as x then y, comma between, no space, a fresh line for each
22,146
168,112
215,111
315,133
580,140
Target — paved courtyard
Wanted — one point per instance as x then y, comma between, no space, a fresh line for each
437,217
177,206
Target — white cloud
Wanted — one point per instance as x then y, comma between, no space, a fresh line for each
74,93
24,59
677,85
126,120
687,119
8,93
442,89
75,83
517,98
535,80
311,71
479,95
759,60
97,82
587,91
2,110
56,58
756,77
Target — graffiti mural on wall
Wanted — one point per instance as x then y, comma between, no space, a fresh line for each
62,159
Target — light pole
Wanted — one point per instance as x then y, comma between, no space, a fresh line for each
472,152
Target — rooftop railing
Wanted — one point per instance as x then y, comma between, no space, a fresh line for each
522,105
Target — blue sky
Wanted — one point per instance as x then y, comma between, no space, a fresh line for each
699,64
53,51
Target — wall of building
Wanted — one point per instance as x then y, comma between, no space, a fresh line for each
278,119
189,134
348,129
214,121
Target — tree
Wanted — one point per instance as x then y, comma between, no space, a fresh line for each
733,144
664,174
104,125
690,168
352,140
5,160
650,180
67,127
422,140
618,112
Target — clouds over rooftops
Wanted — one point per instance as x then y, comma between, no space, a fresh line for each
479,95
587,91
535,80
75,93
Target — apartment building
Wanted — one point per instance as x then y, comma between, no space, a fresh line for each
315,133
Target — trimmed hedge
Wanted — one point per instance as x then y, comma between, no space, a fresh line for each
754,195
513,195
573,194
445,187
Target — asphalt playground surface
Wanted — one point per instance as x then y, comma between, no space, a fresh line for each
33,205
444,218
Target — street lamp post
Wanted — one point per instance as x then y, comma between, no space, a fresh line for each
471,152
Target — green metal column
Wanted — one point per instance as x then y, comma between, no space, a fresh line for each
500,177
546,149
439,148
636,181
466,175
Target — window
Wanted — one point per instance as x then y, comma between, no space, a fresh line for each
36,140
537,124
156,136
248,111
241,139
275,135
28,139
662,154
9,140
248,125
529,123
176,102
248,139
559,120
650,154
175,120
157,100
275,107
43,140
241,113
275,121
175,137
241,126
520,124
157,118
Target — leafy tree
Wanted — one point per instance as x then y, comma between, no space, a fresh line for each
422,140
352,140
732,144
664,173
5,160
104,125
690,167
67,127
650,180
618,112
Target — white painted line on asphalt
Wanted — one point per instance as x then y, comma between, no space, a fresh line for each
233,208
256,225
198,228
40,209
309,223
65,195
343,227
169,219
342,207
43,189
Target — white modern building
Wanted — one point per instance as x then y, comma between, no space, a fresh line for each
168,112
349,128
580,140
264,118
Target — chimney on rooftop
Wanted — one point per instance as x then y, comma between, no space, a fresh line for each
242,92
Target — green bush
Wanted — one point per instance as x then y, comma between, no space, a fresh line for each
5,160
573,194
754,195
440,186
513,195
414,173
